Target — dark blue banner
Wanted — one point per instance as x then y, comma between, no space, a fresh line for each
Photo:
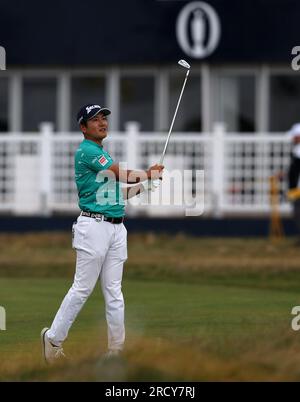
143,32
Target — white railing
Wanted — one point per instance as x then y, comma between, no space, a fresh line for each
37,170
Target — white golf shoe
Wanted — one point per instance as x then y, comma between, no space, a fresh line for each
51,353
112,353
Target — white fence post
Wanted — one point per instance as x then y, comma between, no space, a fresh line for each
132,158
218,166
46,132
132,133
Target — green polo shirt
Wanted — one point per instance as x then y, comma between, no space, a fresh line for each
97,192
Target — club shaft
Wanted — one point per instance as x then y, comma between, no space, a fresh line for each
174,117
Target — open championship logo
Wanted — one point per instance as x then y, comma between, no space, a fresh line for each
198,29
2,319
2,58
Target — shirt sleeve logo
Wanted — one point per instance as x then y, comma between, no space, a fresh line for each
103,161
89,108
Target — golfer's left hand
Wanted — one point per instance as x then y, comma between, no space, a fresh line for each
151,185
155,184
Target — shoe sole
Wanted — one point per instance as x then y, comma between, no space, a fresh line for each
43,333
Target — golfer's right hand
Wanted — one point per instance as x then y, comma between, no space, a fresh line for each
155,172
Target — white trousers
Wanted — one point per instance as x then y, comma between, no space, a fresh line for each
101,249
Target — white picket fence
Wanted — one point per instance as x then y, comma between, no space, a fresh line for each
37,170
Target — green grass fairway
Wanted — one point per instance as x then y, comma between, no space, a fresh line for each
196,309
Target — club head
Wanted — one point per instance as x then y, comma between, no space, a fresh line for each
184,64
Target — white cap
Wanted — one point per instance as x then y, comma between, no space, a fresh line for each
294,131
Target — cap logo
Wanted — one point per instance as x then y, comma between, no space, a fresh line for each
89,108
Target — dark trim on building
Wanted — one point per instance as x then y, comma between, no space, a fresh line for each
189,226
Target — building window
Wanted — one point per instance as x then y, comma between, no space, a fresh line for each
235,100
39,102
189,113
4,105
86,90
137,101
284,102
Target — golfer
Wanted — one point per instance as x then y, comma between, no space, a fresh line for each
100,237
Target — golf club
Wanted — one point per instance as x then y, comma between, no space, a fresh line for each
186,65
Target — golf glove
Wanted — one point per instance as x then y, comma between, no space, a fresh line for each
151,185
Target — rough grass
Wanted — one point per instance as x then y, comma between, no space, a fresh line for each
240,262
196,309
